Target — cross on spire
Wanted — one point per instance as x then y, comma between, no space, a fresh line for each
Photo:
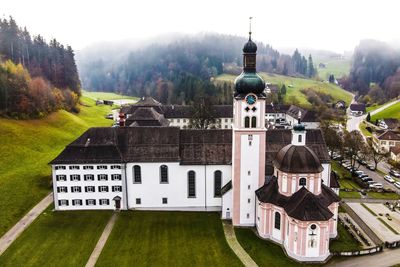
250,18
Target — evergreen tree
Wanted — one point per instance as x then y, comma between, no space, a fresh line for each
368,118
283,89
311,69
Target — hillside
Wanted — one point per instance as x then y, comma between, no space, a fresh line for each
390,112
26,147
294,85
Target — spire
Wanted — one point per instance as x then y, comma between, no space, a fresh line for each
299,117
250,18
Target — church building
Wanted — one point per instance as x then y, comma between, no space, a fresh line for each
276,180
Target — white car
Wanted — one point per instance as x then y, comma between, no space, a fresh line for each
397,184
376,185
389,179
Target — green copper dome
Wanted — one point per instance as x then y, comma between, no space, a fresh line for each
299,127
249,82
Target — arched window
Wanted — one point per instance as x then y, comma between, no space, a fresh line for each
302,182
246,122
137,174
191,184
217,183
300,138
277,221
253,122
163,174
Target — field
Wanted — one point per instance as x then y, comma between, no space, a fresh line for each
106,96
294,85
57,239
26,147
142,238
345,241
390,112
337,67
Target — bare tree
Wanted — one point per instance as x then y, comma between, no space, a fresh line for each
353,146
375,156
204,116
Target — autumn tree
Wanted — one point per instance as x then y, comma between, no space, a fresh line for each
353,144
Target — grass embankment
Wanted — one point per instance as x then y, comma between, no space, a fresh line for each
345,182
26,147
106,96
363,129
142,238
57,239
294,86
263,252
391,112
344,242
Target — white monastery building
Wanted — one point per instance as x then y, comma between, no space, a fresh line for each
277,180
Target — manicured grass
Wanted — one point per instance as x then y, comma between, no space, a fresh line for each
294,85
391,112
142,238
342,172
344,242
349,184
26,147
353,194
388,226
370,211
263,252
363,128
106,96
388,196
57,239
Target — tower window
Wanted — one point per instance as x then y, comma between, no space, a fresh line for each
277,224
300,138
302,182
253,122
246,122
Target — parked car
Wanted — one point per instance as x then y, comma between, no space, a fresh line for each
376,185
371,182
394,173
371,167
362,175
366,179
397,184
110,116
359,172
389,179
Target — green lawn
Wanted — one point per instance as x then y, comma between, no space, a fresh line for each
363,128
106,96
344,242
141,238
389,196
26,147
352,194
342,172
349,184
263,252
337,67
391,112
294,85
57,239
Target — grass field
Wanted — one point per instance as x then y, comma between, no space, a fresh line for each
263,252
390,112
388,196
57,239
297,84
345,241
363,129
106,96
337,67
26,147
142,238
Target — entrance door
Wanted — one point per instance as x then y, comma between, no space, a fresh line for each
117,204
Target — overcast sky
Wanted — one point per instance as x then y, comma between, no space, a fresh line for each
332,25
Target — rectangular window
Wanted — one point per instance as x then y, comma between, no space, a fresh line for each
248,215
90,202
88,177
138,201
89,189
226,120
77,202
248,200
76,189
61,178
391,143
87,167
116,188
59,167
102,177
191,184
62,189
178,120
116,177
103,188
163,174
74,167
104,201
184,120
165,200
102,167
113,167
63,202
75,177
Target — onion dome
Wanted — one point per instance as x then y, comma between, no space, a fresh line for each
297,159
250,47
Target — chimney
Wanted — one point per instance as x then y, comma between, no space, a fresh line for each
121,119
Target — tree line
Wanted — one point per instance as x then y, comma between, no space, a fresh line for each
31,67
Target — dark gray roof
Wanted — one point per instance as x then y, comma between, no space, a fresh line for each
357,107
389,135
226,187
146,116
269,108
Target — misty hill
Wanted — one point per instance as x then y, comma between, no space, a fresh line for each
178,69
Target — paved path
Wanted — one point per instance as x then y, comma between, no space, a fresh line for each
384,259
235,246
8,238
102,241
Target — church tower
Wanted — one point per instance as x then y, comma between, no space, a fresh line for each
248,163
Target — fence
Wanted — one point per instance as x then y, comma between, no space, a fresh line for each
359,252
392,244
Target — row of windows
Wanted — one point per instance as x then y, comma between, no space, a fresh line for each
137,178
87,167
247,122
79,202
89,189
89,177
217,120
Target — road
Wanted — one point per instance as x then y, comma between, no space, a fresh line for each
378,178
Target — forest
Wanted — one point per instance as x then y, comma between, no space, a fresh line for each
182,70
36,77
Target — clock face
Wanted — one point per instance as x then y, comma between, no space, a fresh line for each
251,99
